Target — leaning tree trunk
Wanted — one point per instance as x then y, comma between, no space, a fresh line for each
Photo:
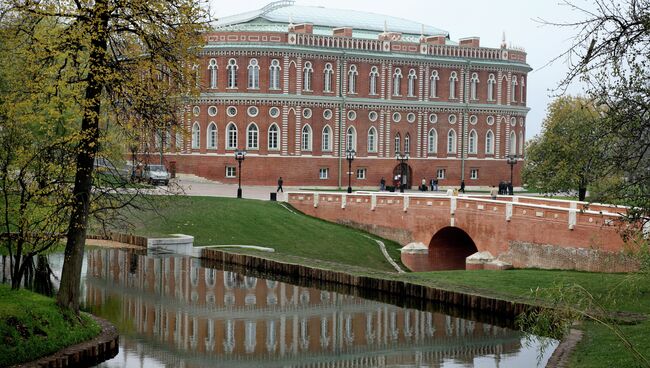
68,296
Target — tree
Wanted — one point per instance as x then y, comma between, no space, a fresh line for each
610,55
130,63
569,153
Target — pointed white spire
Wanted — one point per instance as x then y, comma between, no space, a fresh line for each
385,26
503,40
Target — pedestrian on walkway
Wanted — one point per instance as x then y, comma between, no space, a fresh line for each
462,186
493,192
280,181
423,187
382,184
435,184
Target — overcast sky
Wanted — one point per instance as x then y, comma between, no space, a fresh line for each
482,18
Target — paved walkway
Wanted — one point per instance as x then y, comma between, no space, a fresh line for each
196,186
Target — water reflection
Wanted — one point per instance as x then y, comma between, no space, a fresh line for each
174,313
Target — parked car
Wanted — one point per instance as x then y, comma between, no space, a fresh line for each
154,174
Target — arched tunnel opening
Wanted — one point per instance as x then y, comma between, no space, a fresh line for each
447,251
449,247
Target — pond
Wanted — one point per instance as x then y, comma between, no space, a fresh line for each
174,311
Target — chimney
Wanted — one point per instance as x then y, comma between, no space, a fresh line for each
303,28
342,32
469,42
435,40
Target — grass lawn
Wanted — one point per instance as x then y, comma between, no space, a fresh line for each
219,221
32,325
617,292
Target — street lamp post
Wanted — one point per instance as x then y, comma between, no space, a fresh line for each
402,158
512,161
240,156
349,155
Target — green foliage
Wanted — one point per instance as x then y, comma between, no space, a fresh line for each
568,156
31,326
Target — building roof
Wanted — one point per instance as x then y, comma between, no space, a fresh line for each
364,24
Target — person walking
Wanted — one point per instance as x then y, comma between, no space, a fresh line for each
280,181
423,187
431,185
382,184
493,192
462,186
435,184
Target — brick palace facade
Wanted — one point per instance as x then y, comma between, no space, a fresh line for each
297,86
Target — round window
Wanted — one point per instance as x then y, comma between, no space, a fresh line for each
397,117
352,115
253,111
274,112
433,118
410,117
327,114
196,110
212,110
521,121
372,116
473,119
452,119
490,120
306,113
513,121
232,111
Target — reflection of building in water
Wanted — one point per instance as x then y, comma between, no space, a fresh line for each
206,317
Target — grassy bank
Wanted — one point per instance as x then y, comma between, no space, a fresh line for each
305,240
32,326
226,221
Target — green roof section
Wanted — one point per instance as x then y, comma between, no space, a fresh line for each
278,15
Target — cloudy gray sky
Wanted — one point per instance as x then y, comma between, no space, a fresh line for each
519,19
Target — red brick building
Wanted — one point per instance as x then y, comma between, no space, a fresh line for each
296,86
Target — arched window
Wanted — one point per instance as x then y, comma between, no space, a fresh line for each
433,141
327,75
306,138
522,89
252,133
398,144
451,141
307,72
489,142
521,143
411,83
473,86
231,136
274,137
326,139
453,79
196,136
513,143
397,81
352,79
253,74
491,82
212,68
372,139
407,143
212,136
274,75
472,144
374,75
351,139
514,89
433,84
232,73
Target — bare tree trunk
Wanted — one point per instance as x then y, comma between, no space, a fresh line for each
582,192
68,296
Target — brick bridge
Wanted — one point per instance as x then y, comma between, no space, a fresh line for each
521,231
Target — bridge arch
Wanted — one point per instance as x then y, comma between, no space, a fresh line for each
449,247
